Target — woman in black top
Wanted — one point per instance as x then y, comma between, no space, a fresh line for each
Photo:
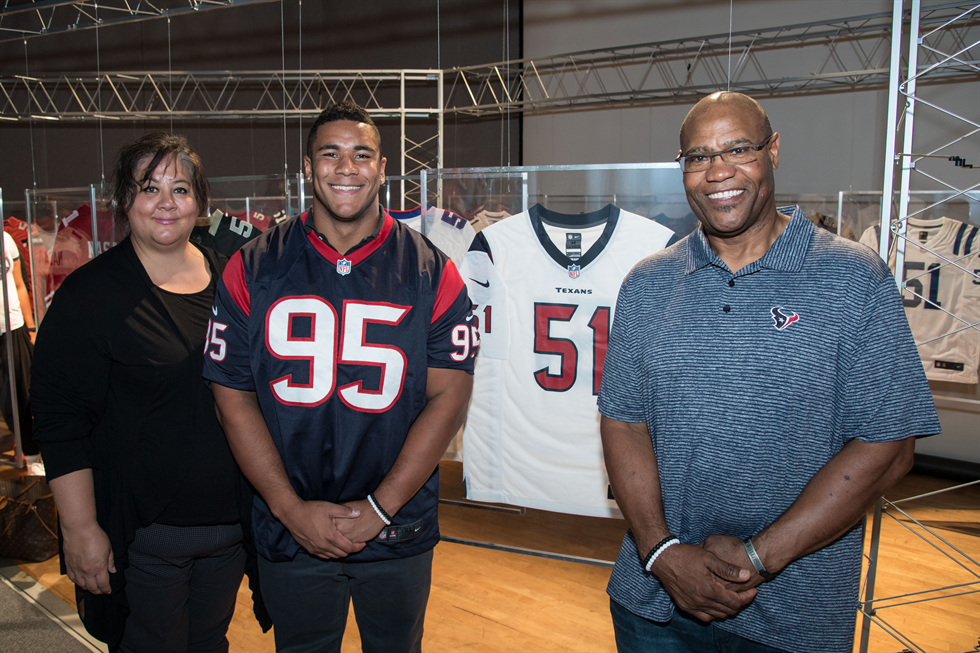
152,506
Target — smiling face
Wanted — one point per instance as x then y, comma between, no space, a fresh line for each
164,208
347,170
730,200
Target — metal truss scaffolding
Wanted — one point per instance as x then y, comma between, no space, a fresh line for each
840,55
934,48
31,19
277,95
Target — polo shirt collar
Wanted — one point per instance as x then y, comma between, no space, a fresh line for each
786,254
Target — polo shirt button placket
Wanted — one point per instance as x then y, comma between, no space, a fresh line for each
731,284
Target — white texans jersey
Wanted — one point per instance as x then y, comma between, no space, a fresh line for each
449,232
936,291
544,287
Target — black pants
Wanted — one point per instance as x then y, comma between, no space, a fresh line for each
21,362
309,597
181,585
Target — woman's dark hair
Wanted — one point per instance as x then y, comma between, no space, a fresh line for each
154,147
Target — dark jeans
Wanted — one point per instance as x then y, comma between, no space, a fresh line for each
308,599
682,634
181,585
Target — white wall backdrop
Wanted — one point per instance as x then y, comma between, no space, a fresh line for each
830,142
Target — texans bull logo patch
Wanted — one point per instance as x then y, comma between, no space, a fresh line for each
783,317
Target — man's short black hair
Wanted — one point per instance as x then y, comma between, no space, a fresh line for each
346,110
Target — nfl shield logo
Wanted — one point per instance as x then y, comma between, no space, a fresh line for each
574,271
343,267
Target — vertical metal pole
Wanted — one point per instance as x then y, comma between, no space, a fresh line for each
302,195
442,119
248,212
289,194
422,184
34,284
524,198
96,245
402,170
888,184
840,210
907,164
9,344
869,590
441,126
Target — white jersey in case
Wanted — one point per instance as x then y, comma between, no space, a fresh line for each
544,287
449,232
948,346
452,234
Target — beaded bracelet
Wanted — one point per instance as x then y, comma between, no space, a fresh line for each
655,552
385,517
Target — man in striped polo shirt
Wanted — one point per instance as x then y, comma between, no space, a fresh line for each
761,389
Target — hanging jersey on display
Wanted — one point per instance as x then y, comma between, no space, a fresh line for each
258,220
485,218
937,291
32,252
544,288
225,234
79,241
279,216
447,231
16,315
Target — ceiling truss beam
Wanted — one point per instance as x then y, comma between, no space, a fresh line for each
796,59
33,19
812,58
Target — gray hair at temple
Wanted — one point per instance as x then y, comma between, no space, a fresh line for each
155,147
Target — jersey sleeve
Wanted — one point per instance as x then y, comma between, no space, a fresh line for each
227,359
870,238
489,295
11,246
453,337
459,237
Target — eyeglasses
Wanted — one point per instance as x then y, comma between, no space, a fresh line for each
733,156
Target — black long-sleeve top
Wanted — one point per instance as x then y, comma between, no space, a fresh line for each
116,387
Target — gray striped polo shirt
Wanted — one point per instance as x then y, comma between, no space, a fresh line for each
749,383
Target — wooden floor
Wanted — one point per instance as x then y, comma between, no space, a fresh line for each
485,600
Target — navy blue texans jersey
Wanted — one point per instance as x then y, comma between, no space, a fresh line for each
337,349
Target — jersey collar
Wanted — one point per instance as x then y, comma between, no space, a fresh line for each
541,216
360,252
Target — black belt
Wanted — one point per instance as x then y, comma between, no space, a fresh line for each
400,533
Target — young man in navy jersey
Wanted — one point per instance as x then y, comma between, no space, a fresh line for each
341,353
761,389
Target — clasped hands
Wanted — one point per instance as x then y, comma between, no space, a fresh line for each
713,580
331,530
